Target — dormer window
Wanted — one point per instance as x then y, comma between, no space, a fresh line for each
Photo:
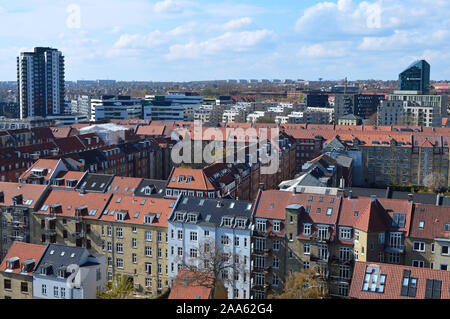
180,179
307,229
240,223
179,217
261,225
188,179
192,218
148,219
276,226
61,273
120,216
227,221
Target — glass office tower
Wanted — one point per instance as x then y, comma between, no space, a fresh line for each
415,78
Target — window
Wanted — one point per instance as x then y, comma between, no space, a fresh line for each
276,226
444,250
409,285
398,220
236,241
381,238
276,245
119,248
134,258
148,268
148,236
433,289
261,225
119,262
275,281
373,280
56,291
44,290
345,233
63,292
344,253
148,251
180,235
356,235
193,253
225,240
306,249
418,263
276,263
133,243
193,236
7,283
444,267
344,272
109,246
23,286
419,246
307,229
180,251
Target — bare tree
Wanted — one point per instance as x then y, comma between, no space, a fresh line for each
211,265
435,181
305,284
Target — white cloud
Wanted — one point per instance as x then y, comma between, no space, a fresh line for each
226,43
171,6
237,24
324,50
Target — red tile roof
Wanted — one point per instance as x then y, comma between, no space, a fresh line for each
70,200
143,206
434,219
28,192
186,286
23,251
394,278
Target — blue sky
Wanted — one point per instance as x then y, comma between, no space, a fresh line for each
183,40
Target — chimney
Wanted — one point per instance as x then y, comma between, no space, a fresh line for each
388,192
438,200
342,183
2,197
373,198
350,194
410,198
294,190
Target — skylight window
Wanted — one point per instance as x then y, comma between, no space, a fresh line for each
119,200
421,224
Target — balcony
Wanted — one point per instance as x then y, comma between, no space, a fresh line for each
50,232
395,249
50,216
260,233
17,237
78,234
17,224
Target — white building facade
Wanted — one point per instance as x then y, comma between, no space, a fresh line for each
197,225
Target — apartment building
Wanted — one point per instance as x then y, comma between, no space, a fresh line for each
40,80
327,233
109,107
65,272
17,203
131,231
213,234
428,243
16,270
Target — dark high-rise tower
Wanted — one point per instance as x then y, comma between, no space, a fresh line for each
40,81
415,78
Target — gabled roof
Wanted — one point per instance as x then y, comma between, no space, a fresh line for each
434,218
